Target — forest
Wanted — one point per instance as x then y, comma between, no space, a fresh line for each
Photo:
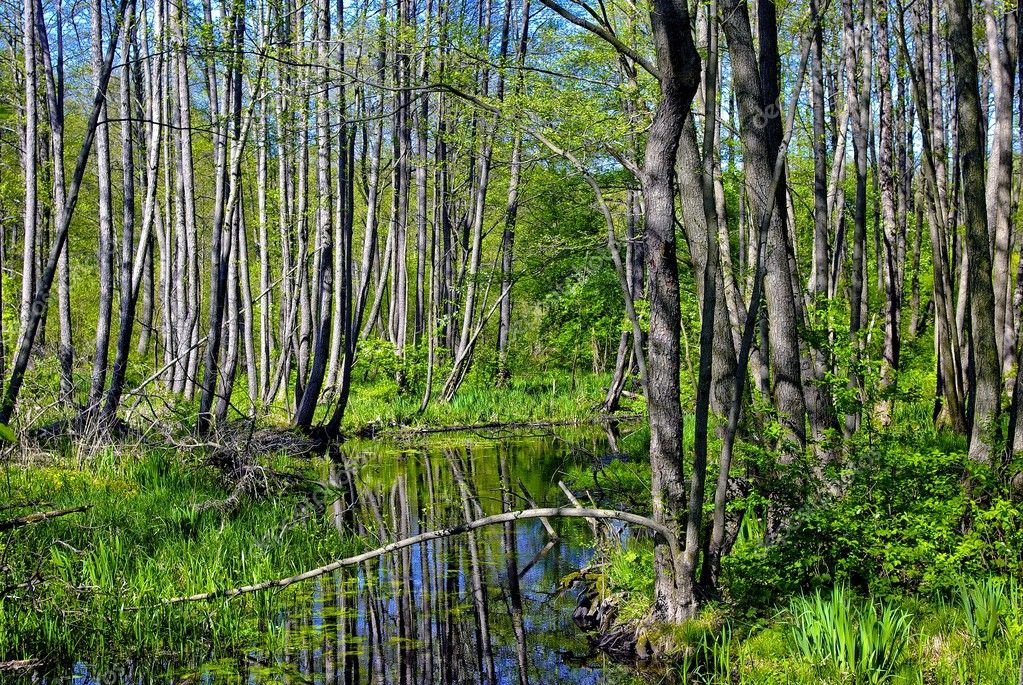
511,341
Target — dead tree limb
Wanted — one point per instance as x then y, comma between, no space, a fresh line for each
575,502
38,517
20,665
551,533
511,516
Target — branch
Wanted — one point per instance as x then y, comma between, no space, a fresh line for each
603,32
39,517
511,516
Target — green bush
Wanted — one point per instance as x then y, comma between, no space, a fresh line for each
904,524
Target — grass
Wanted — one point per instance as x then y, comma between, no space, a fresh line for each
554,396
862,642
911,642
141,541
932,568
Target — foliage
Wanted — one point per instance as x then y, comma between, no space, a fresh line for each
141,540
865,642
904,523
991,608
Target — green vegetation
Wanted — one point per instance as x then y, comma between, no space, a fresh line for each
908,577
97,579
286,282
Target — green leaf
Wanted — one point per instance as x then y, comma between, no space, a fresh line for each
7,433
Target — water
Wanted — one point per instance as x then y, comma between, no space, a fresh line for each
483,607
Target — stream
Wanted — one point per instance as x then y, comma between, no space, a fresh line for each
481,607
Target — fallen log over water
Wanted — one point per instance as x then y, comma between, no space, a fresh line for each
20,665
373,430
507,517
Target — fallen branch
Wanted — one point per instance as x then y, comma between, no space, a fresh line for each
551,533
506,517
39,517
372,430
575,502
20,665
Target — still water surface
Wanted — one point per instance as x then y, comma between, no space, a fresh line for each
483,607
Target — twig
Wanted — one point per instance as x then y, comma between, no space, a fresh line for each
572,498
551,533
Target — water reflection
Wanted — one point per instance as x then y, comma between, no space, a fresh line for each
483,607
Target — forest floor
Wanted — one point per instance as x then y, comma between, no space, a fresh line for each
922,569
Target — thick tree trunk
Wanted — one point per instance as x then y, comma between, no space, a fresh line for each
679,65
986,391
758,154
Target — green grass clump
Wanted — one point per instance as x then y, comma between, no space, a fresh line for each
864,643
991,608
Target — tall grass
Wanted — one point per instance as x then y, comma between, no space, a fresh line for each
988,606
864,643
143,540
533,396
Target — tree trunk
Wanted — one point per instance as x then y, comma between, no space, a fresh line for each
679,65
758,154
106,225
986,391
55,106
128,299
27,337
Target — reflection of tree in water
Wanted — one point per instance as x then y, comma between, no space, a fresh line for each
471,609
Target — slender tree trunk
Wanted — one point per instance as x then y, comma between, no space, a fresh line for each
128,299
324,229
887,182
511,213
1001,43
29,164
821,252
26,339
55,107
106,225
